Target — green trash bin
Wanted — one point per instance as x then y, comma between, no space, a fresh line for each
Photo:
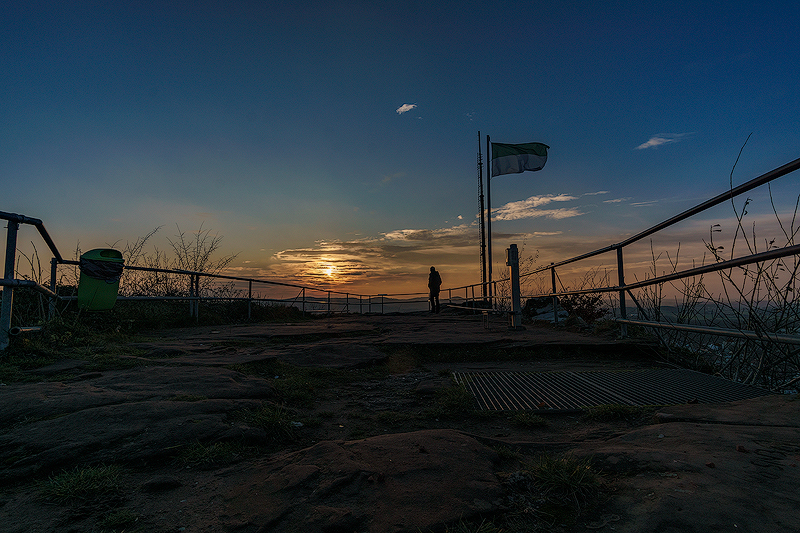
99,281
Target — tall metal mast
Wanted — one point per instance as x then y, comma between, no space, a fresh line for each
483,230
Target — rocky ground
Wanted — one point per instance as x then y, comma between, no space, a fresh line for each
353,424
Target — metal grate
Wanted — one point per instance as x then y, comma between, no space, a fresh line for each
570,391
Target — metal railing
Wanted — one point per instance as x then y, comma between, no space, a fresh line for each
8,280
307,299
332,301
623,289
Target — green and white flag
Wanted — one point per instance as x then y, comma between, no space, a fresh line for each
516,158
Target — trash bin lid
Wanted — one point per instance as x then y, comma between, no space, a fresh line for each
104,254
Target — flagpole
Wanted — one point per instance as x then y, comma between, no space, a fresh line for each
489,215
483,216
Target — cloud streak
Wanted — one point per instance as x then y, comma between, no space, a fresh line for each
405,108
530,208
661,139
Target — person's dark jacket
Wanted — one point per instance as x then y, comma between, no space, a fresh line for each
434,282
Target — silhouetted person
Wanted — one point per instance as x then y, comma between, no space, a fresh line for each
434,284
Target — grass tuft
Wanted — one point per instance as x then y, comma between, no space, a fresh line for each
273,419
526,419
83,483
565,479
453,401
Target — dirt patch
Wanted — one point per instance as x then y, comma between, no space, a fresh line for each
335,426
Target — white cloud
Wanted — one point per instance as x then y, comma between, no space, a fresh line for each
405,108
616,200
530,208
661,138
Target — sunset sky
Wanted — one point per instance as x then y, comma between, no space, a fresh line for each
335,142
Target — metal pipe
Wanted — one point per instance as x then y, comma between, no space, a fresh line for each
777,253
714,267
727,195
22,219
725,332
555,290
49,241
29,284
8,276
19,219
492,291
623,312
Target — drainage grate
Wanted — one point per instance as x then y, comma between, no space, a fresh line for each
570,391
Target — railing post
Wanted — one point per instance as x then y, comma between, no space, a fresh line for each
512,261
8,291
623,312
191,295
360,305
197,295
329,303
51,310
304,301
555,291
381,295
249,297
347,303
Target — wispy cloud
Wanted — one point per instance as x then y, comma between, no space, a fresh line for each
530,208
661,139
617,200
405,108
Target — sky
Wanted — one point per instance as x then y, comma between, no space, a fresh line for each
334,144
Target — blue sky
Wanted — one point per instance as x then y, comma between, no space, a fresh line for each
336,141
